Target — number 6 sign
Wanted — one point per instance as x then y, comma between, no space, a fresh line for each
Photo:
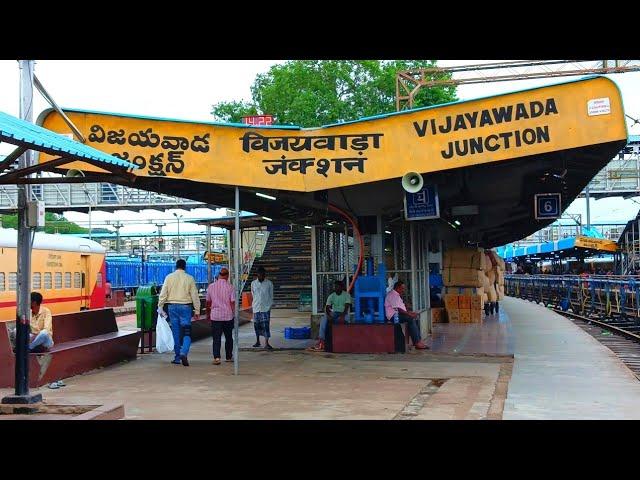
547,206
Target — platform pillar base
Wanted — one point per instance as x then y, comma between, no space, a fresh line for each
22,399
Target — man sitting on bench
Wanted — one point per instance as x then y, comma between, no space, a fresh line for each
41,338
337,308
393,303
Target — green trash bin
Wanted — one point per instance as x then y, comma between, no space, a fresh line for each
146,306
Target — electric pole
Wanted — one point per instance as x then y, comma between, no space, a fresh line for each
23,300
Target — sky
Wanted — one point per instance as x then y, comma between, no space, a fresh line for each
188,89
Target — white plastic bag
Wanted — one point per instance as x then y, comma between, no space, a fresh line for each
164,336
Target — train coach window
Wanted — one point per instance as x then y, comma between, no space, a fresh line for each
37,281
99,280
57,280
77,283
13,281
47,280
2,282
67,279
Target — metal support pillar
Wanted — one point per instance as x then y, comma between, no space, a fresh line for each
395,250
236,319
586,196
377,243
314,273
23,314
178,238
209,253
346,256
160,243
229,252
414,266
117,227
90,234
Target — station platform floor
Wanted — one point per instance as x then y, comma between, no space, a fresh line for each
562,372
525,363
493,337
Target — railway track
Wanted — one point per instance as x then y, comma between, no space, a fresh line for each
620,337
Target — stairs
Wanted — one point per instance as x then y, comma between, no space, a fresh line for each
632,257
287,261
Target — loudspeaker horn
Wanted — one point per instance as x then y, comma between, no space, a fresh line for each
412,182
73,173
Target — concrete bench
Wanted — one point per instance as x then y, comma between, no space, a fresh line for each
372,337
83,341
364,338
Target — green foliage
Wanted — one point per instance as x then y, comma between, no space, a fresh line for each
320,92
54,223
233,111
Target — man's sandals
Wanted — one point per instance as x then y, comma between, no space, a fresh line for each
319,347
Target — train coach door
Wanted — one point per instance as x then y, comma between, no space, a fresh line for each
85,280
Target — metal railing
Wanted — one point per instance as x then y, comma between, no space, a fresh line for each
94,195
604,295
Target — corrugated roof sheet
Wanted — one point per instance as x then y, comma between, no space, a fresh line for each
509,252
20,132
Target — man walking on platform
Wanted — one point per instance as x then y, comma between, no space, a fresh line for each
180,293
221,303
262,293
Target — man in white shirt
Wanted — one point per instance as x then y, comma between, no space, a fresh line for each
262,292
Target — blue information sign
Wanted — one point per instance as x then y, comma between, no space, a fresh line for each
422,205
278,228
547,206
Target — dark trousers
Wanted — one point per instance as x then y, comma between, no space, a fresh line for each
413,326
217,328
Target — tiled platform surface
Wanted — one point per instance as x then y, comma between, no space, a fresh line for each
492,337
561,372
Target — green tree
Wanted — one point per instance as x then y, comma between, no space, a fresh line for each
54,223
311,93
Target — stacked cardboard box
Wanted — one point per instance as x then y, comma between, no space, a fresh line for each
465,283
438,315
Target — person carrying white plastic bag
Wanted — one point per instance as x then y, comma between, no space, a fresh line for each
164,336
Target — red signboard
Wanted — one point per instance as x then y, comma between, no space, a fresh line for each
258,119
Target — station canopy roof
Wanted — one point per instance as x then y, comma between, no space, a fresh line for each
572,247
61,150
488,158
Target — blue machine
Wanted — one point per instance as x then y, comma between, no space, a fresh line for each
369,294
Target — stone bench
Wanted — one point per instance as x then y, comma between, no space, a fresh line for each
83,341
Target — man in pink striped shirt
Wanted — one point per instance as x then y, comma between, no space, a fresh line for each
393,304
221,304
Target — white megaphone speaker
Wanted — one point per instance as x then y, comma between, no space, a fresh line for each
412,182
73,173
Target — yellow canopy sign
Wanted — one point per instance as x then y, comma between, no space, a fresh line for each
596,244
499,128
